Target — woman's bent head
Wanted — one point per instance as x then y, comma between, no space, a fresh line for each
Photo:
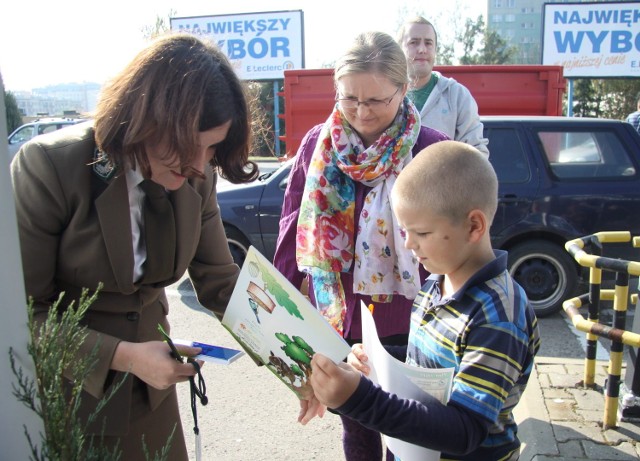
170,93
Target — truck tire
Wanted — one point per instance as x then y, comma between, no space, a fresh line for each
238,244
547,273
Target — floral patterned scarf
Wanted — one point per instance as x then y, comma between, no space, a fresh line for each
327,242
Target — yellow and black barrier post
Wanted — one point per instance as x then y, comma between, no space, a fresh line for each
630,401
591,326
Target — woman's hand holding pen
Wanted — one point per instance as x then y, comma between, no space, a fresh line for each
153,363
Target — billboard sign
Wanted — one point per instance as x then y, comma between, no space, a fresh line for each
260,46
595,39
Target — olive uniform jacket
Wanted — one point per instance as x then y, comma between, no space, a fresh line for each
75,232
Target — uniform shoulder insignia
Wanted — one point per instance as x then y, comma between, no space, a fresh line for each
103,166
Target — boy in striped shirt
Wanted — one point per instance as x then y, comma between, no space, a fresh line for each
470,314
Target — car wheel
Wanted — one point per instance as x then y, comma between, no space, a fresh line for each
547,273
238,245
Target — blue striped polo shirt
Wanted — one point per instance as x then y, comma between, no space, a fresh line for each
488,332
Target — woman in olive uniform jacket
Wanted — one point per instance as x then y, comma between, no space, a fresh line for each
176,115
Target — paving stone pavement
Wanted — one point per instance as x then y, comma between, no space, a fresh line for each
559,419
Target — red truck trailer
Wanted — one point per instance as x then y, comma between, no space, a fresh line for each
309,94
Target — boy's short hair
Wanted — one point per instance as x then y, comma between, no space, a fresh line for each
449,178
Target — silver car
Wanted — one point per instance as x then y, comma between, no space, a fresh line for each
30,130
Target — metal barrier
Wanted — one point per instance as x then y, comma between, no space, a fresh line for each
617,333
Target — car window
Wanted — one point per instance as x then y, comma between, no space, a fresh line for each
507,155
563,147
22,135
585,154
42,129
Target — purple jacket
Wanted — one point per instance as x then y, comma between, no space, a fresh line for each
391,318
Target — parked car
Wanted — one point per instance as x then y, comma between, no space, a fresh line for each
30,130
560,178
251,212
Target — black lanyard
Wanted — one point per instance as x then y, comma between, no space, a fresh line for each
200,391
197,390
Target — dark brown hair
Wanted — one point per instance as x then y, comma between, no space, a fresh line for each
173,90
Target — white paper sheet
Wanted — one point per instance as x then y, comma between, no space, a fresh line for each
406,381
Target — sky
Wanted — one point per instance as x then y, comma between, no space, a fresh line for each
45,42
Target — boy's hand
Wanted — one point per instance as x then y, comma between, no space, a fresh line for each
358,359
332,384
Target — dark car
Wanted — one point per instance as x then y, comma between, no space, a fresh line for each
251,212
560,178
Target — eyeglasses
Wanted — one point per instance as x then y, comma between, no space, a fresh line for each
373,104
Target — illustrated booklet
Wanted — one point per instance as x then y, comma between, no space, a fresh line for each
278,326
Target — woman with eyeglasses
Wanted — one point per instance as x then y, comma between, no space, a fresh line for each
337,230
129,201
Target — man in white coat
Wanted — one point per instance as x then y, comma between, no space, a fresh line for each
444,104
